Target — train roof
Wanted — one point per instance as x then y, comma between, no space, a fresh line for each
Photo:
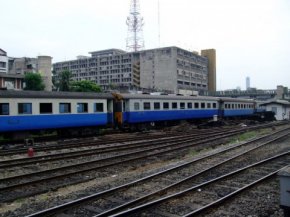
53,94
228,99
178,97
168,97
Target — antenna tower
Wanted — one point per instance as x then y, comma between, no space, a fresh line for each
135,41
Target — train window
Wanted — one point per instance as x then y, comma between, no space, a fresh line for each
64,108
182,105
189,105
233,106
208,105
136,106
214,105
165,105
99,107
45,108
146,106
196,105
202,105
82,107
156,105
174,105
4,108
24,108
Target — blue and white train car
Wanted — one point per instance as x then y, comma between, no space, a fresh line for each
143,108
235,107
40,110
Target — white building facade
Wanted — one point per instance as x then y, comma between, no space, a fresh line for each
281,108
3,62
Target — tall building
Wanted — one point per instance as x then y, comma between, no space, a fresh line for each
211,55
173,69
168,69
248,85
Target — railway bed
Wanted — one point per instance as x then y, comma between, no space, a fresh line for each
76,172
100,141
169,178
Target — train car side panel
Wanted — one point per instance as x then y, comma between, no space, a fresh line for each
35,122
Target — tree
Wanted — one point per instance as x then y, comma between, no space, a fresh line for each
33,81
85,86
64,81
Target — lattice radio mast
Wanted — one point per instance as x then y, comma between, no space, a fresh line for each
135,41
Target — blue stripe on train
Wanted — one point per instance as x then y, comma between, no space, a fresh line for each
238,112
34,122
147,116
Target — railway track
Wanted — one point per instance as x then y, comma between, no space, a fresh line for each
201,198
167,183
107,140
55,178
100,141
117,147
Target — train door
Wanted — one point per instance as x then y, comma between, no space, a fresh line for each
110,108
221,108
118,112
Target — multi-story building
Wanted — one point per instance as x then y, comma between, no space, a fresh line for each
13,70
171,68
107,68
3,62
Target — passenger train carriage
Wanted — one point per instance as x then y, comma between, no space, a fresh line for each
140,109
66,111
38,110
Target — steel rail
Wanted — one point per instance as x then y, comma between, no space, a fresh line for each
94,151
137,209
75,203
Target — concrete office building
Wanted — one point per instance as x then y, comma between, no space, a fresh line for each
166,69
173,69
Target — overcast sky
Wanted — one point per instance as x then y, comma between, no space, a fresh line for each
251,37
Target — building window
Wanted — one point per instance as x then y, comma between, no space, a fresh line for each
189,105
4,108
136,106
82,107
174,105
45,108
182,105
25,108
165,105
146,106
64,108
98,107
156,105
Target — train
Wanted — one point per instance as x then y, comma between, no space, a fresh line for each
79,112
